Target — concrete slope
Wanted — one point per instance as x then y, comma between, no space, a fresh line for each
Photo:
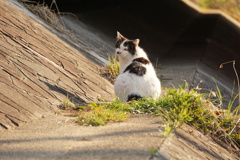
38,70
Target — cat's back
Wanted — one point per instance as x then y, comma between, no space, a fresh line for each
138,78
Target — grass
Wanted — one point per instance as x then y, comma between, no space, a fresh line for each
183,106
49,16
98,115
101,116
231,7
45,13
111,71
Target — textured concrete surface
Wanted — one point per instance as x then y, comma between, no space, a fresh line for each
57,137
38,70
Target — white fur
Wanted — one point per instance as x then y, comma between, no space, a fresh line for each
127,83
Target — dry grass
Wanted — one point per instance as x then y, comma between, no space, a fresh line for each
49,16
45,13
111,71
106,72
230,7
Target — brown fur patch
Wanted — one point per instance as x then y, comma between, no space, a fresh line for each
141,60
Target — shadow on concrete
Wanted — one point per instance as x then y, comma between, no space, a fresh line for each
77,154
71,96
81,153
83,138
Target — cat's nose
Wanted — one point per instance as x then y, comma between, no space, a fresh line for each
118,52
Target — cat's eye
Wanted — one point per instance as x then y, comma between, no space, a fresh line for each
125,49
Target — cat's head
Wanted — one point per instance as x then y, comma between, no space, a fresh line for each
125,47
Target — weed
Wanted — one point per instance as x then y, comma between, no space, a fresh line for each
181,106
111,71
153,150
235,71
66,104
102,114
69,108
44,12
113,64
48,15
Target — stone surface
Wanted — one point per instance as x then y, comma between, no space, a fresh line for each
38,70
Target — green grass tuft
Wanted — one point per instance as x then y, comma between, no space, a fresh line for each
113,64
181,106
111,71
101,116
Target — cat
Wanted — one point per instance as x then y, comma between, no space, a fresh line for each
137,77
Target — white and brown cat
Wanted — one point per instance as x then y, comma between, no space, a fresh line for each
137,78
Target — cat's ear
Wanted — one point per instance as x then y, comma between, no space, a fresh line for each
136,41
120,37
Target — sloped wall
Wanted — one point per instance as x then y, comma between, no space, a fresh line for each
38,70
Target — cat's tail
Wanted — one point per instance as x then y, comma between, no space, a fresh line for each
132,97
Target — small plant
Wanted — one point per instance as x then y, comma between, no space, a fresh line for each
68,107
45,12
102,114
111,71
153,151
66,104
113,65
235,71
50,16
181,106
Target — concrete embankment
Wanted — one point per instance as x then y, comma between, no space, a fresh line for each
38,70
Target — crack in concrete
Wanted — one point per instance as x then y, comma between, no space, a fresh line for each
20,108
52,95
